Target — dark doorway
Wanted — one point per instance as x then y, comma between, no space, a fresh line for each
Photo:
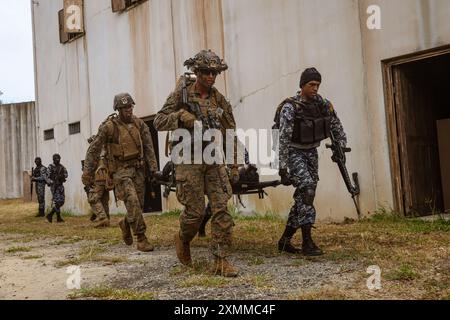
153,204
419,101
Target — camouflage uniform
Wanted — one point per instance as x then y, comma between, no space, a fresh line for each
128,172
98,198
98,193
196,180
40,178
57,175
302,162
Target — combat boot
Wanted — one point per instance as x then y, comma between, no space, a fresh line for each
206,218
309,248
126,232
58,218
221,267
143,244
41,213
284,244
183,250
102,223
49,216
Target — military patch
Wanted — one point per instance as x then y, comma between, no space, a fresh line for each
124,100
328,104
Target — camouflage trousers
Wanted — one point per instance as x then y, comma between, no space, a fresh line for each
58,197
98,199
303,170
40,192
193,182
130,187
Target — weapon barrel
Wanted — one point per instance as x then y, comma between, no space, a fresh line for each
346,177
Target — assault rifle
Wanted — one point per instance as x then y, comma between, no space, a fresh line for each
31,183
208,122
58,178
339,158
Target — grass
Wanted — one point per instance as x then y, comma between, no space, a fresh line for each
403,273
384,216
32,257
92,253
67,240
17,249
260,281
255,261
107,293
172,213
400,246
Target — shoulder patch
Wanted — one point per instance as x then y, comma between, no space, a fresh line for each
328,105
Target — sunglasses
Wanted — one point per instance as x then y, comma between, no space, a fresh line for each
207,72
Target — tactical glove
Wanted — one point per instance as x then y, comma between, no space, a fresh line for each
234,175
285,180
187,118
86,179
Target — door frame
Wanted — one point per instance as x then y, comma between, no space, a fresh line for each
394,138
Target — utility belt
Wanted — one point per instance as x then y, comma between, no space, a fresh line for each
308,131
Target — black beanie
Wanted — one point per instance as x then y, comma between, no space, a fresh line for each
310,74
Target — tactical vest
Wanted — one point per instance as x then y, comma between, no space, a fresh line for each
210,111
37,172
312,123
127,144
57,175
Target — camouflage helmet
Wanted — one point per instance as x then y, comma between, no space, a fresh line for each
206,59
122,100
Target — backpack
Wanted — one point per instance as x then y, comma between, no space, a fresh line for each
276,119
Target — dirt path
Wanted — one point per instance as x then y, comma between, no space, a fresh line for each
412,255
37,270
31,272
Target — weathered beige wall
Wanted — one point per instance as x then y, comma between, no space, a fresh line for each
17,146
407,27
266,44
62,97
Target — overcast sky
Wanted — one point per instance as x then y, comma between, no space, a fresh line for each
16,51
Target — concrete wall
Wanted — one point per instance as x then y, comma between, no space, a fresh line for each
407,27
266,45
17,146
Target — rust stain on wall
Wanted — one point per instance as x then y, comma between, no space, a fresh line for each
139,20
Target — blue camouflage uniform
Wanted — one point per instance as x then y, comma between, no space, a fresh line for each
57,175
302,160
40,179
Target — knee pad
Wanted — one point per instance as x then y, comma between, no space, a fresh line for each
308,196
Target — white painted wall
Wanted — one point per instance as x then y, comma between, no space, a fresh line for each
266,44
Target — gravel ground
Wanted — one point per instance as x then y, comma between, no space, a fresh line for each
159,272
